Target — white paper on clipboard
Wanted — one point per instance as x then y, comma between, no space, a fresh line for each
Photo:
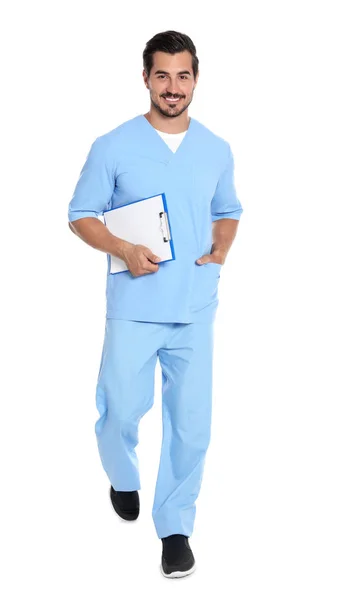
143,222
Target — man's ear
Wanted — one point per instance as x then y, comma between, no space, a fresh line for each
145,78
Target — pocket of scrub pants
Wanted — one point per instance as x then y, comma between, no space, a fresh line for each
205,285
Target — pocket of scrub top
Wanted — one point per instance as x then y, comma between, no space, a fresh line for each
205,287
213,267
212,264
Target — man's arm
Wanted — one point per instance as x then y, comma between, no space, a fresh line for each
224,232
91,197
139,259
92,231
226,211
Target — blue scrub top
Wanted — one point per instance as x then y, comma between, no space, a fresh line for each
132,162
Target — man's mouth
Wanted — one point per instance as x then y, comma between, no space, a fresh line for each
171,100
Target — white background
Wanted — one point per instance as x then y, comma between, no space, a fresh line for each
266,516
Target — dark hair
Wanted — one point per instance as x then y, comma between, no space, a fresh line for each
171,42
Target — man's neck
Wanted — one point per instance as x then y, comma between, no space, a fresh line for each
168,124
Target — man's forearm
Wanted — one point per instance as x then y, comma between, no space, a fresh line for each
224,232
92,231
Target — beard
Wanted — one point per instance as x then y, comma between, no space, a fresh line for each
167,112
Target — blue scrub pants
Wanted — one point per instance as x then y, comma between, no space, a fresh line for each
125,392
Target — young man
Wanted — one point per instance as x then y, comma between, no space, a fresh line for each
165,310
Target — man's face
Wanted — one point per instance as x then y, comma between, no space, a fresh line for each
171,82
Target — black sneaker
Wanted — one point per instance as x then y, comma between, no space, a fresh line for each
177,558
126,504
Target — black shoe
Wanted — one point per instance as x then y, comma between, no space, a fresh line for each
126,504
177,558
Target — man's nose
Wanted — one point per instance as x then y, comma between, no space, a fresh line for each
173,89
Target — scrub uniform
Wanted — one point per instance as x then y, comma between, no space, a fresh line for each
168,315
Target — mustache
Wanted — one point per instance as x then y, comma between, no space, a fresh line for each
170,96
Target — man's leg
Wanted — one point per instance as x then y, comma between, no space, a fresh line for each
124,393
187,364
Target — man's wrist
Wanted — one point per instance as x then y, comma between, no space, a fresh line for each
219,252
121,247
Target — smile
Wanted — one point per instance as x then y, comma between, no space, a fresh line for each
172,100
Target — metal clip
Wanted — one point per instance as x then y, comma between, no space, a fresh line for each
164,226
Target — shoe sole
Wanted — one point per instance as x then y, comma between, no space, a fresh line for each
178,574
125,516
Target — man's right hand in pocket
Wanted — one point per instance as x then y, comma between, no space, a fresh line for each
139,259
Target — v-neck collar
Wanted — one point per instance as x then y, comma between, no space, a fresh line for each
165,154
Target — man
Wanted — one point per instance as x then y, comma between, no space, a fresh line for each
165,310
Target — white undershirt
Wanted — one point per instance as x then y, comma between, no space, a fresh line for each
173,140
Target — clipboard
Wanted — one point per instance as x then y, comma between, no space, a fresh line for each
144,221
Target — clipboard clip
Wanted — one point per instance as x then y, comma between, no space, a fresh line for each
164,226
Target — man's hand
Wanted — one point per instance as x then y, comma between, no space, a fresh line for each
139,259
217,257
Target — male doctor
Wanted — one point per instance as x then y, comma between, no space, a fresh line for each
156,310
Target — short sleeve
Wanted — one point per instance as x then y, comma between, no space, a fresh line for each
95,185
225,203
